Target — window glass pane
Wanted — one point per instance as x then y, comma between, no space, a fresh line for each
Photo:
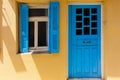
79,32
79,25
79,11
94,24
38,12
94,31
42,33
94,17
94,10
86,12
78,18
31,34
86,21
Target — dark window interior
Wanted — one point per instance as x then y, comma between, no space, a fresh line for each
86,21
86,30
38,12
31,34
79,11
86,12
42,37
78,18
79,32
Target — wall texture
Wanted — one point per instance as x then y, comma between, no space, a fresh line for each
111,38
14,66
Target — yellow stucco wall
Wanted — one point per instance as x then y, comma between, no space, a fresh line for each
14,66
111,38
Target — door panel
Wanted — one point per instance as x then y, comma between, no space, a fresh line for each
84,41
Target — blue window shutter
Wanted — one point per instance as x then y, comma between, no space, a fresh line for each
54,27
23,28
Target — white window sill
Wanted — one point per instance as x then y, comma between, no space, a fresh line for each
34,52
25,53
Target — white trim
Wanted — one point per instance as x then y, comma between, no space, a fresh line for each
85,3
39,6
44,48
41,18
102,54
102,47
36,34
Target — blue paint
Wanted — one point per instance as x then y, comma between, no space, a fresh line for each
84,49
23,28
54,27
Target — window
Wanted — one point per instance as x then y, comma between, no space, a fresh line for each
39,28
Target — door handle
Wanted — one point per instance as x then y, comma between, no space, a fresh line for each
86,42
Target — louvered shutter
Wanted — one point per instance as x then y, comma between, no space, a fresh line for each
23,28
54,27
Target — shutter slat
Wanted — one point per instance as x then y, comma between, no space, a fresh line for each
23,28
54,27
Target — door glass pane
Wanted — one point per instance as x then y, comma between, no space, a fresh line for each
94,10
94,24
78,18
79,32
86,12
94,17
38,12
31,34
94,31
86,30
42,33
86,21
79,11
79,25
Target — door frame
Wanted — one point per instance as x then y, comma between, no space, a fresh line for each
102,47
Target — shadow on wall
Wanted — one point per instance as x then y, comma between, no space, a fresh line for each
1,54
9,37
51,66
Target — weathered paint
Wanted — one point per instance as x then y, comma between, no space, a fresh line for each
54,66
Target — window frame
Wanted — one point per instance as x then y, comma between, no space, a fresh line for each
37,19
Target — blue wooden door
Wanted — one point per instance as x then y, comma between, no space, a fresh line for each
84,41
